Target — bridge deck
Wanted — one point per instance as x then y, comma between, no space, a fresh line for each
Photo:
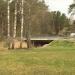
50,38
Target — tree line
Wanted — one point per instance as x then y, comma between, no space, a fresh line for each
26,18
42,20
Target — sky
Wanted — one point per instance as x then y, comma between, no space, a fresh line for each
59,5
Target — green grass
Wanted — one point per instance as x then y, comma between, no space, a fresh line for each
64,43
40,61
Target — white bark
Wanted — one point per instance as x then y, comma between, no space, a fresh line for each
22,19
15,20
22,22
8,18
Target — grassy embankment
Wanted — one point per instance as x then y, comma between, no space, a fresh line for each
52,60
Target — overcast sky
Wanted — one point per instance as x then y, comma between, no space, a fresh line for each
61,5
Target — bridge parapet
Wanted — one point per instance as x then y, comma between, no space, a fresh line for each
50,38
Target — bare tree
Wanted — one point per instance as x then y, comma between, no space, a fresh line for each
15,24
22,21
8,17
28,30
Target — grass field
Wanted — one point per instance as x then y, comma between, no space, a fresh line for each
40,61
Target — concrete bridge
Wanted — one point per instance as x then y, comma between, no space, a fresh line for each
40,41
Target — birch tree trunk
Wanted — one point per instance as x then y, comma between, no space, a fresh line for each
8,18
22,22
15,24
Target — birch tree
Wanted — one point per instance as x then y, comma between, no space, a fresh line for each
15,24
8,18
22,22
